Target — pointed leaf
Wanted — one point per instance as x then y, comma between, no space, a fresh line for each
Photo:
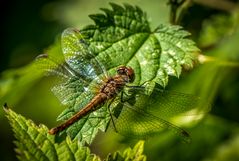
34,143
135,154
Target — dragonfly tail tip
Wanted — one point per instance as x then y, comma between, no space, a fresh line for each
52,131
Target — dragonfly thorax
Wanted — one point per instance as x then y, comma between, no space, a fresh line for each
128,72
114,85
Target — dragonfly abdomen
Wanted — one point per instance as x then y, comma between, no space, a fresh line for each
93,105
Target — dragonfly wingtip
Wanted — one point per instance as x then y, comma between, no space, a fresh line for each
187,137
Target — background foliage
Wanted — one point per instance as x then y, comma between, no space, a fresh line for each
30,28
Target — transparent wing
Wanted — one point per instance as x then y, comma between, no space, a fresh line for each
147,114
79,70
79,57
52,66
136,122
167,104
70,85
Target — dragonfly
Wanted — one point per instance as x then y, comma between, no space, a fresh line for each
88,86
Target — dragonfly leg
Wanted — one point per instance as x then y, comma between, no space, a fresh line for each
111,116
135,87
132,89
122,96
138,86
141,86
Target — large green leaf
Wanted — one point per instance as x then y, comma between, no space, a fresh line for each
121,36
124,34
34,143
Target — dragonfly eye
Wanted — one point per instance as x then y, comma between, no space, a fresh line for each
121,70
128,71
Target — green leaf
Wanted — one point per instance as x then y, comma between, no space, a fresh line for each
135,154
34,142
121,36
124,34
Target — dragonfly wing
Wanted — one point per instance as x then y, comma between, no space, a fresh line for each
167,104
70,85
81,75
79,70
52,66
79,56
145,114
171,103
138,123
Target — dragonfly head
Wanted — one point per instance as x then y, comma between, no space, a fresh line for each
126,71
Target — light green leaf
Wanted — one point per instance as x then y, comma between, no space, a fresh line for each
135,154
34,143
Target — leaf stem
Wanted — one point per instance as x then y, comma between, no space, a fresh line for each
178,9
182,10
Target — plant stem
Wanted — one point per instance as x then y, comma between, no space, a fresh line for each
182,10
174,5
178,9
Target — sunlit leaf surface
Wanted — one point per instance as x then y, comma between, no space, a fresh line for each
121,36
34,143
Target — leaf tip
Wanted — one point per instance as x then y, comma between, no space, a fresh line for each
139,146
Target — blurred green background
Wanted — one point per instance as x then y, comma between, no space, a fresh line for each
30,27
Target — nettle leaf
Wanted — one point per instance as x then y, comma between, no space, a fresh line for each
34,143
124,34
135,154
120,36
